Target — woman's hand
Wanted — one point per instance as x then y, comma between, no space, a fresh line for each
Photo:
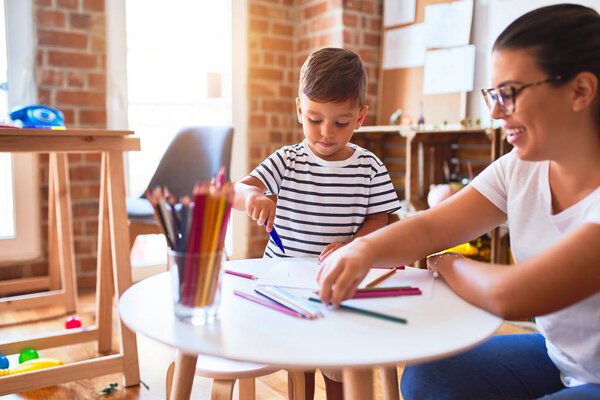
330,248
343,270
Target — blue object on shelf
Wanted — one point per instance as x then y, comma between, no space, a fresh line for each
37,116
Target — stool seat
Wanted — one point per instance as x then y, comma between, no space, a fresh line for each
222,368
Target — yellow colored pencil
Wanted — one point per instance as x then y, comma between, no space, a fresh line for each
381,278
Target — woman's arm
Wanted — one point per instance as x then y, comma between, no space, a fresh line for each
462,217
563,275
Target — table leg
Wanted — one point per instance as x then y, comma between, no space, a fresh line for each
358,384
185,368
389,383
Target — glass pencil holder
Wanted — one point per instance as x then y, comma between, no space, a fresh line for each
196,285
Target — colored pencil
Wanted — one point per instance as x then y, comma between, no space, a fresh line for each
387,293
268,303
368,313
241,274
381,278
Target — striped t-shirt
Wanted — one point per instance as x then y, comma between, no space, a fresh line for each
320,202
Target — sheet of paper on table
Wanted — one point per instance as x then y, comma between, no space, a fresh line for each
302,274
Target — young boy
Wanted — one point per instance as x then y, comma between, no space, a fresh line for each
328,190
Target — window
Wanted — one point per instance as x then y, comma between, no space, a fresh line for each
178,73
19,204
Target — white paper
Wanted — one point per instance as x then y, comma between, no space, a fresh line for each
448,24
302,274
404,47
398,12
449,70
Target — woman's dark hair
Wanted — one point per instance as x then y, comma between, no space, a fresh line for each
565,39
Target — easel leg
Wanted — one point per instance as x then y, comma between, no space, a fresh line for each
105,289
119,237
65,230
53,258
389,383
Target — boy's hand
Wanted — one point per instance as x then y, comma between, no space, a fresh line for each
261,209
330,248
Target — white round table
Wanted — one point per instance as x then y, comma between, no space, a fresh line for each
440,324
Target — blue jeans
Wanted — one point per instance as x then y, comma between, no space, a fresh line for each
505,367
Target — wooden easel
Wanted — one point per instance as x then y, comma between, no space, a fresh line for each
114,268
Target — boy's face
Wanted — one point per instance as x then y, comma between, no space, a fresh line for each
328,127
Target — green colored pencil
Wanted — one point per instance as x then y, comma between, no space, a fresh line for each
366,312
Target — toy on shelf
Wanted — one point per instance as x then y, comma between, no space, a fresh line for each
73,322
28,354
3,361
31,365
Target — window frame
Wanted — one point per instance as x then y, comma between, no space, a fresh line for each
26,245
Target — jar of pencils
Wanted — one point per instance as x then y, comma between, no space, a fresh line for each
196,285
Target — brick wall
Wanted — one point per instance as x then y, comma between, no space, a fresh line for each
276,52
71,76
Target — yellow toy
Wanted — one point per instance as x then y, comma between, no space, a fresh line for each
31,365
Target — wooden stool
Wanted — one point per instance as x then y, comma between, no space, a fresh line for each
224,374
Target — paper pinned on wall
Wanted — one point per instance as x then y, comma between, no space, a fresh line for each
404,47
398,12
449,70
448,24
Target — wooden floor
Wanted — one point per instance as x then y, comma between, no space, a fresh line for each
154,359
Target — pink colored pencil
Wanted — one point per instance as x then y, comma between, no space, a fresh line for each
241,274
387,293
268,303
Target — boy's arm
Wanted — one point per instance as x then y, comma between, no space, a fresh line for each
250,196
371,223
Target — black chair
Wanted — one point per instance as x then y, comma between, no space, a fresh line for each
194,155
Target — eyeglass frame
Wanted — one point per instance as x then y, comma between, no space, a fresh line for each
515,91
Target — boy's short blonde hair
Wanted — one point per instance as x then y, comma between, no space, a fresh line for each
334,75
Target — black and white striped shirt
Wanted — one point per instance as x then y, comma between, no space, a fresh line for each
320,202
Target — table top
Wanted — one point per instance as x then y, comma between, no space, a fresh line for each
439,324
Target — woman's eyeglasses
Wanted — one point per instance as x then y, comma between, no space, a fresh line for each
505,96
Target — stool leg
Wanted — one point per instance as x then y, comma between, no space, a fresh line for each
169,382
296,382
222,389
389,381
247,389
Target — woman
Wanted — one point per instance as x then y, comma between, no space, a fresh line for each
546,72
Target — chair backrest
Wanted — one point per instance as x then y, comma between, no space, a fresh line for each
195,154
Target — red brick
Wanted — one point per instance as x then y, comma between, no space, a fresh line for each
43,2
276,44
81,21
75,79
62,39
80,98
258,121
72,60
69,115
93,5
51,77
315,10
261,89
83,245
85,173
85,210
371,39
43,96
70,4
97,80
281,29
265,73
74,158
349,20
89,191
93,157
92,117
49,19
259,25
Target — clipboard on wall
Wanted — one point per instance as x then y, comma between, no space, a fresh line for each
402,87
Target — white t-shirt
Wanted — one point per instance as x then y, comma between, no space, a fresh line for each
320,202
521,189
